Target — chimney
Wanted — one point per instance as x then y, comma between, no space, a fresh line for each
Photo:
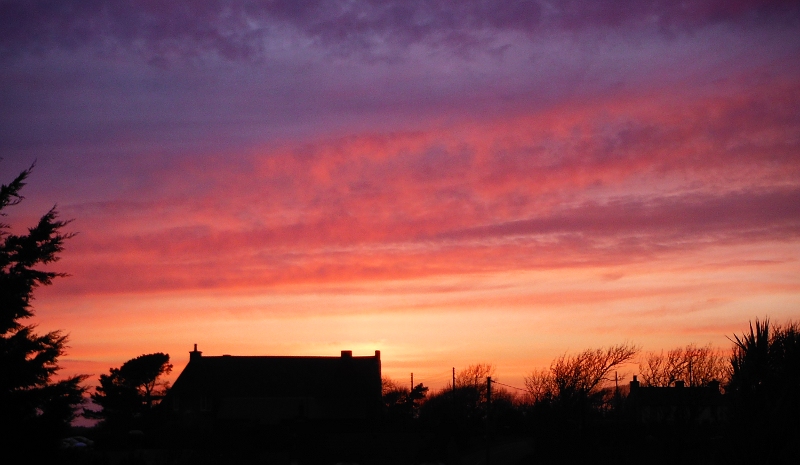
714,386
195,354
347,354
378,354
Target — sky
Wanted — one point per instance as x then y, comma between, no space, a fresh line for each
447,182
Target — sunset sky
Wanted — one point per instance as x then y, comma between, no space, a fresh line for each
449,182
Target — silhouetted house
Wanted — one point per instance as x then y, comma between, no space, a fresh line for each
272,390
676,404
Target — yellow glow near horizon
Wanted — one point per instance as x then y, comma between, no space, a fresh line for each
519,321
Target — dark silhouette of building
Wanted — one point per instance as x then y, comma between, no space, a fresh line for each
273,390
676,404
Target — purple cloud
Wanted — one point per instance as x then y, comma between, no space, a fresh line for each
165,31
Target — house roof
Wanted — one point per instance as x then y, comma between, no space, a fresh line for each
268,376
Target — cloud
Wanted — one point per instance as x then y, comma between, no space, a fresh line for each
246,30
592,185
77,82
333,141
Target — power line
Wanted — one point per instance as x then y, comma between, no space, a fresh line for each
435,378
506,385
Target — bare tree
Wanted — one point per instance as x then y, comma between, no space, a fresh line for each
660,369
388,386
474,375
578,378
540,386
697,366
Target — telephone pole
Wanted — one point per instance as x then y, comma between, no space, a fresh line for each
488,420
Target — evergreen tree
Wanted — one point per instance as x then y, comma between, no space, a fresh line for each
128,394
35,410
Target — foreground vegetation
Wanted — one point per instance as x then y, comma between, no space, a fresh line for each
572,412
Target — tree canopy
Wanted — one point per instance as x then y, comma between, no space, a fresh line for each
130,391
35,408
577,380
401,402
696,366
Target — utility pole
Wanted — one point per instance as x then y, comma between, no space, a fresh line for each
454,381
412,381
488,420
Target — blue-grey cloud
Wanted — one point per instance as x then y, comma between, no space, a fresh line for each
236,30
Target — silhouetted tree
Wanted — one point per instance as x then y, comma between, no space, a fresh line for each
696,366
402,403
576,382
455,414
458,420
459,414
567,401
540,386
33,407
129,392
765,387
506,411
474,377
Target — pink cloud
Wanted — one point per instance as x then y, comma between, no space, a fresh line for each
598,183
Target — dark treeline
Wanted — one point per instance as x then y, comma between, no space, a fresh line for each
692,405
687,405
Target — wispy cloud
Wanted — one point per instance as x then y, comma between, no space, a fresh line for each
596,185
